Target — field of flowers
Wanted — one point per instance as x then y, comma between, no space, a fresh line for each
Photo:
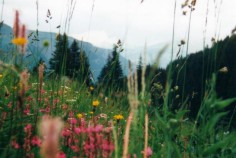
56,117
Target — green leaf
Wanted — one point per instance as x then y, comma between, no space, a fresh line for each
219,145
224,103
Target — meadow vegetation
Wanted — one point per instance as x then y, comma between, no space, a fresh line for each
62,111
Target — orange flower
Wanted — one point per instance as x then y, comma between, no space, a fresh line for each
19,33
20,41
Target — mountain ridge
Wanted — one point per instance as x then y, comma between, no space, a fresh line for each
97,56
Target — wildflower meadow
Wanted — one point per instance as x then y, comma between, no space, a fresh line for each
56,108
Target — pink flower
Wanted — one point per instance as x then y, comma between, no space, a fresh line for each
61,154
75,148
90,129
43,91
47,110
90,147
107,146
36,141
27,127
77,130
71,114
55,101
73,121
65,132
29,98
15,145
26,111
148,152
98,128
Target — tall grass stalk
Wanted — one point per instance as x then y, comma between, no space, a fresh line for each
146,136
186,54
126,135
204,51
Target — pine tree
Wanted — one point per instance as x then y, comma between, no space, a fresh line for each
73,60
84,73
77,64
111,76
139,74
105,70
58,60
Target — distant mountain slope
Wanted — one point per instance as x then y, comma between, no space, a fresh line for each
151,53
35,50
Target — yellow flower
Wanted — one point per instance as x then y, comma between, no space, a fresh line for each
95,103
1,75
79,115
91,112
118,117
91,88
20,41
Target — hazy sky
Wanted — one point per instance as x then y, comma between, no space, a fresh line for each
129,20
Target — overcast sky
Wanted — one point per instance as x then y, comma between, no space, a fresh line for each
129,20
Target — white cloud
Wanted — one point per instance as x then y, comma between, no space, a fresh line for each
97,38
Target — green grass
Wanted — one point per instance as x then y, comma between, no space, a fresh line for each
96,132
170,134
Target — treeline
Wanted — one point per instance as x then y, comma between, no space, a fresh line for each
71,61
193,74
190,78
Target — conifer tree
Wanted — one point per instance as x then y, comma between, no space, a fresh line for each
84,73
139,74
73,60
105,69
59,56
77,64
111,76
